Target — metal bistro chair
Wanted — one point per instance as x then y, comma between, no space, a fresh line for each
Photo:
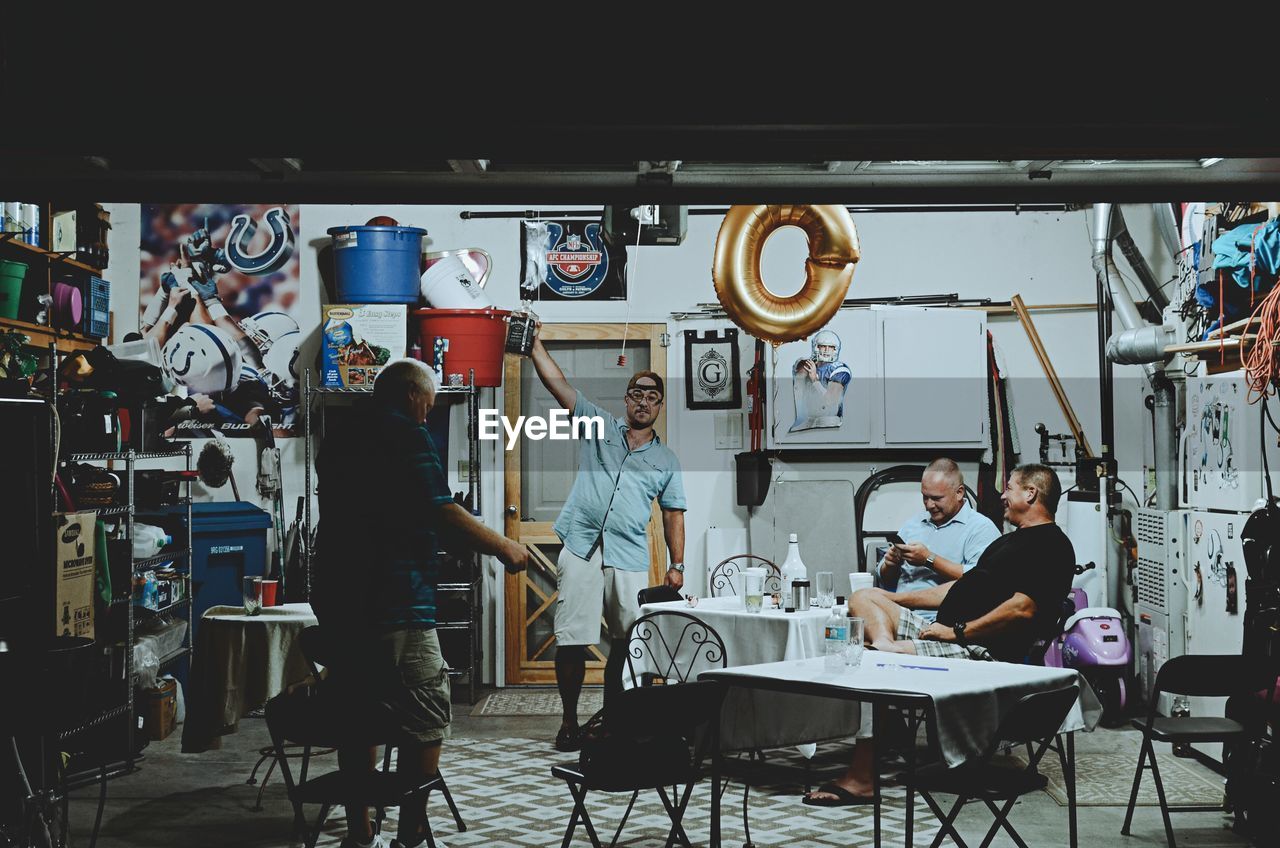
1205,675
720,582
1035,719
649,733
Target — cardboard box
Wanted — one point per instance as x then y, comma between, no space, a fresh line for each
76,572
359,340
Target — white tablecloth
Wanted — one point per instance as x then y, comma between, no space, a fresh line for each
759,719
241,662
970,697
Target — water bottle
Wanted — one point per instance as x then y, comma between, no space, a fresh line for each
835,640
792,567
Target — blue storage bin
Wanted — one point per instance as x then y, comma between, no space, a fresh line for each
229,540
377,264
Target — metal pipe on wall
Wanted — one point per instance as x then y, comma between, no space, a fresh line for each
1138,335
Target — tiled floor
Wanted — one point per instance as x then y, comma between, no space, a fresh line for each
498,770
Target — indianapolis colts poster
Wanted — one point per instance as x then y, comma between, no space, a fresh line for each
219,289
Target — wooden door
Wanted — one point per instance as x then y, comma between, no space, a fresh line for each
533,499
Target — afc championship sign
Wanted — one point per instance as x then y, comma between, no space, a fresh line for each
711,370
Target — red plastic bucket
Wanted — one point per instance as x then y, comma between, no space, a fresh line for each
477,338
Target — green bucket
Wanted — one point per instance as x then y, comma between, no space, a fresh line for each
11,274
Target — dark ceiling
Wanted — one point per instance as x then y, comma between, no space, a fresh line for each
133,118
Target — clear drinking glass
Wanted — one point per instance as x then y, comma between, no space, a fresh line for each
753,588
252,595
826,589
853,654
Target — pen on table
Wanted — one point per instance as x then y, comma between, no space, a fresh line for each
916,667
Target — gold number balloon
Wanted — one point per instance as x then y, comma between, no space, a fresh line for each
833,251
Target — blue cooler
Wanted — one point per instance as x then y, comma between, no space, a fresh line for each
228,540
375,264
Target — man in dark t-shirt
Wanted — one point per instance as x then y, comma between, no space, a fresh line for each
995,611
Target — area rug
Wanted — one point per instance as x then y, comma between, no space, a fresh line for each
1105,779
507,796
535,702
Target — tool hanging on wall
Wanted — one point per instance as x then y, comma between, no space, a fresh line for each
753,467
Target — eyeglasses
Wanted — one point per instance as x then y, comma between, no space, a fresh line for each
636,396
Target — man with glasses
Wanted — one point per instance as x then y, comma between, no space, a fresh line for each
604,558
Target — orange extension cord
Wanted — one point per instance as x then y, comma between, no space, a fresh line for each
1260,362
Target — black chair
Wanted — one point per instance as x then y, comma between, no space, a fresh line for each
720,581
1034,720
657,595
1204,675
312,717
650,737
642,717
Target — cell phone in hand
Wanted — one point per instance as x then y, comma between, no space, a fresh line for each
895,538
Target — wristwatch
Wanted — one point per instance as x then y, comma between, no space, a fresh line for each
929,561
959,629
677,566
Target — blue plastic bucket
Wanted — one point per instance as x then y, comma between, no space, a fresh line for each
377,264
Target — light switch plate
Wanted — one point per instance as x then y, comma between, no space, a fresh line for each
728,431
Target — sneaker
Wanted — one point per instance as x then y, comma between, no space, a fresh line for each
569,739
376,842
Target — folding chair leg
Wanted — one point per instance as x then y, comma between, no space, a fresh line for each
1002,820
314,836
1137,781
946,822
579,813
676,813
626,814
453,808
1164,805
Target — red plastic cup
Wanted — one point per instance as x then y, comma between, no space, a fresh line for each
269,592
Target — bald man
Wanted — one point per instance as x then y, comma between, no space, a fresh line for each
942,541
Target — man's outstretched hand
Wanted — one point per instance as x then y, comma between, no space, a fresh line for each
516,557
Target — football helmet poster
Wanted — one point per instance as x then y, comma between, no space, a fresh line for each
219,287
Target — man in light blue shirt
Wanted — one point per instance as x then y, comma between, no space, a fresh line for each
942,541
604,558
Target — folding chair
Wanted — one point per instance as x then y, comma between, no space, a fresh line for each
1205,675
1034,720
652,738
310,719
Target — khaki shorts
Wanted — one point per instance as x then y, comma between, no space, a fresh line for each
588,590
398,682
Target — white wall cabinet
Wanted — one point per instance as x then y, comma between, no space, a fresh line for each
918,380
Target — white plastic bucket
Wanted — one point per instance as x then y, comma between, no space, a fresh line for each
448,284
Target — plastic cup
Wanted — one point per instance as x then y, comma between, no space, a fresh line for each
860,580
269,590
825,587
252,595
753,588
853,653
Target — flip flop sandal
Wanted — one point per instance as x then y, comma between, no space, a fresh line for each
844,798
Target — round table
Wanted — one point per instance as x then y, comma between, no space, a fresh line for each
241,661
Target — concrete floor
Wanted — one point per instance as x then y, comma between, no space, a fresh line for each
191,801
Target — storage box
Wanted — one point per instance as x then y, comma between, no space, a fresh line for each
359,340
75,578
161,709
